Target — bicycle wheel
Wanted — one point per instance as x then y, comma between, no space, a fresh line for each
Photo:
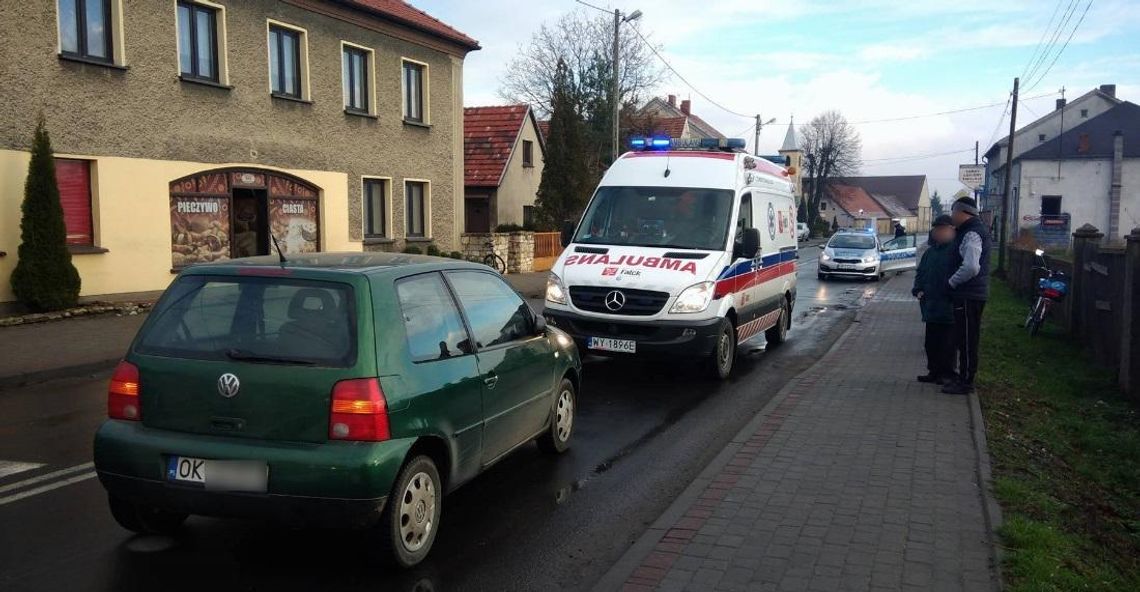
495,262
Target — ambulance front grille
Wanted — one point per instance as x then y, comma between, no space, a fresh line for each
637,302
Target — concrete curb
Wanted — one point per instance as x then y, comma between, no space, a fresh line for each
615,577
991,510
41,376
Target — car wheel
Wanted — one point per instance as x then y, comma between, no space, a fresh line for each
779,333
411,518
556,439
144,519
724,353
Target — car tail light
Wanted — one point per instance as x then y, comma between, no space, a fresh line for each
123,393
359,411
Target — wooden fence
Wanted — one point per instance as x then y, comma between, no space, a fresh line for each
547,248
1102,309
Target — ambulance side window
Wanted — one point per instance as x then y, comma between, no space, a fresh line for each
744,218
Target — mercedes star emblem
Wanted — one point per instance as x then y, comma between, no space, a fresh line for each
228,385
615,300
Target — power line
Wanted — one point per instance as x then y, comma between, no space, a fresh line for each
669,66
997,128
1061,24
1063,47
1041,41
892,159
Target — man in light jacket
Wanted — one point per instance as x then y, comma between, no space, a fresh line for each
969,289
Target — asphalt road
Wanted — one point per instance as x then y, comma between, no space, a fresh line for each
644,431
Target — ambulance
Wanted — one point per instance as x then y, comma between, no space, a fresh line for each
686,249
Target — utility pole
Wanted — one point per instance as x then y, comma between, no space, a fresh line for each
616,91
759,126
1004,220
976,164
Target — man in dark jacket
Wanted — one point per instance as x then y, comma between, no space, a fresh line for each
969,289
900,231
932,291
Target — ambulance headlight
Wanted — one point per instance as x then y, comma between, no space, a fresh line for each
695,298
555,291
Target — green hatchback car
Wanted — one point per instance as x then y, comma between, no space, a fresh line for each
333,390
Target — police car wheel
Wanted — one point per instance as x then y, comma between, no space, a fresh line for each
724,353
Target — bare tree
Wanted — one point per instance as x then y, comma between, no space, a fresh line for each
584,42
832,149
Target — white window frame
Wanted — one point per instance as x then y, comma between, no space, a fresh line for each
370,67
389,231
223,64
118,47
425,92
303,59
427,208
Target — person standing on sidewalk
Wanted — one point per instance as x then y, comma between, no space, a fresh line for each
932,291
969,288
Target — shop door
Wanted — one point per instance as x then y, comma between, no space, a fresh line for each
251,223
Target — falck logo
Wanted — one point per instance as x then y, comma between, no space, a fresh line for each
771,222
228,385
615,300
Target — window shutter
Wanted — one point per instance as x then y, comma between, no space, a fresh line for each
73,177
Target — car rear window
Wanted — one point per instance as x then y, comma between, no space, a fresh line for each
255,319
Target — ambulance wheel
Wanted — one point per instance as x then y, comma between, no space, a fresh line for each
724,353
779,333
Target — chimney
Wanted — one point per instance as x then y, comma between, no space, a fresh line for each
1060,104
1108,89
1114,194
672,100
685,106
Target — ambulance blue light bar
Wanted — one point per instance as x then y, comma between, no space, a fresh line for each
661,143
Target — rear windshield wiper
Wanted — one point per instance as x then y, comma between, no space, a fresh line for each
244,356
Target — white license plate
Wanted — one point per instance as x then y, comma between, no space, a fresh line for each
625,346
221,475
846,266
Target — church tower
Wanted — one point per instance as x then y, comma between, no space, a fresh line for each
791,149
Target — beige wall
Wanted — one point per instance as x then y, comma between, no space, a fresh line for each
520,184
146,112
131,211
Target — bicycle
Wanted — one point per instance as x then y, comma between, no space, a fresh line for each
493,260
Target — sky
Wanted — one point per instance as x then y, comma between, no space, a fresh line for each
869,59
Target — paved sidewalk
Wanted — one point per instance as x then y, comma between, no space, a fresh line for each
855,477
57,349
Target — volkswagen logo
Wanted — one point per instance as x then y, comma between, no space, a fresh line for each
228,385
615,300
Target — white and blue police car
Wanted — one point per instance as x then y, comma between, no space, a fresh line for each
860,254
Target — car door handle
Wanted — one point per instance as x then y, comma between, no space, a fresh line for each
491,380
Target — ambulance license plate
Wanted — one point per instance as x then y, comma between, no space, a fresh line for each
221,475
625,346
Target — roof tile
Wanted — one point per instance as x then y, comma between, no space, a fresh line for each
409,15
489,135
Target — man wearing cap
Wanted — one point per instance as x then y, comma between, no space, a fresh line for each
934,300
969,289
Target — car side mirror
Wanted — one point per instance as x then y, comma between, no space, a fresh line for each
751,244
539,325
567,233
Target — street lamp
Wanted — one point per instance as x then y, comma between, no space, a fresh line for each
616,98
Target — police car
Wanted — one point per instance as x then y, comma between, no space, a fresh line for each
860,254
686,249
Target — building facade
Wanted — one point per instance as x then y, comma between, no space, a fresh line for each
503,157
196,131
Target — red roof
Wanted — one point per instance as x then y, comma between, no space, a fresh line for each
489,135
544,129
670,127
406,14
852,199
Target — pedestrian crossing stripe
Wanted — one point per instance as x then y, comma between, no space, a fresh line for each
11,467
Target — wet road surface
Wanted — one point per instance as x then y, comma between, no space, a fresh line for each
643,432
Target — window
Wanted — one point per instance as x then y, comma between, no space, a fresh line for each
528,217
676,217
497,315
376,208
431,322
1084,113
822,206
415,204
744,218
528,153
1040,137
1050,205
254,319
414,92
85,28
286,61
356,64
73,178
198,41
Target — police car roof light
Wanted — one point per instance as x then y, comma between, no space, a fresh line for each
659,143
735,143
637,143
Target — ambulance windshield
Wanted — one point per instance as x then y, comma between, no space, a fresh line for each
666,217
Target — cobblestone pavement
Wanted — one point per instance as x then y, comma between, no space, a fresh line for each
856,477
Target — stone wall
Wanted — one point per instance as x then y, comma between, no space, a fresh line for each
516,248
521,258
